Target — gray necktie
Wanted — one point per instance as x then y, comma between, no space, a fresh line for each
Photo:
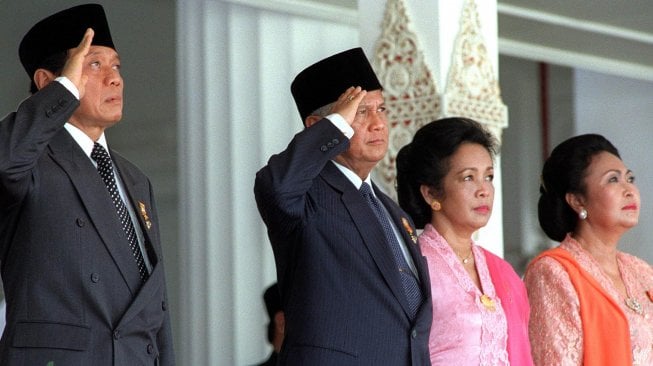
408,279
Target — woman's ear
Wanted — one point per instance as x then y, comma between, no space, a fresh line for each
43,77
428,193
575,201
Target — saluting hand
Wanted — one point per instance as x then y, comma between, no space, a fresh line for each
73,69
347,103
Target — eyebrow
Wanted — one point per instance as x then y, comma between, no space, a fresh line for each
491,167
367,105
628,171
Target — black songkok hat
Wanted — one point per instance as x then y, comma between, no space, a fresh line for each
63,31
324,81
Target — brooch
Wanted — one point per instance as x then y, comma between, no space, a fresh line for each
409,229
634,305
487,302
144,214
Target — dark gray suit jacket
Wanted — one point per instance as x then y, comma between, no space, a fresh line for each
72,287
341,292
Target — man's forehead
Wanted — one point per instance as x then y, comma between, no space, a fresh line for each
373,97
102,50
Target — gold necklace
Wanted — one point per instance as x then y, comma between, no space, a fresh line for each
631,302
468,258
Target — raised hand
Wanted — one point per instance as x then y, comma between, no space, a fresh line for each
347,103
75,63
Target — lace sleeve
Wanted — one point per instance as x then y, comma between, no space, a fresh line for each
555,328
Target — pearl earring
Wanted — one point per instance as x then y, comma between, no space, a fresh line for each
582,214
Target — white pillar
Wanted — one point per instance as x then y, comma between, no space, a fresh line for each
437,26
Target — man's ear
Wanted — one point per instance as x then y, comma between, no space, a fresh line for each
310,120
43,77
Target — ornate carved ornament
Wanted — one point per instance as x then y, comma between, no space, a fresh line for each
472,87
409,88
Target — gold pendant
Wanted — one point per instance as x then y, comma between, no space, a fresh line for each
487,302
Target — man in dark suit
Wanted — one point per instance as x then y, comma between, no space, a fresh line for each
354,286
79,245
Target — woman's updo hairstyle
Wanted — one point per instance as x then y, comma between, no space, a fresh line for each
426,161
564,172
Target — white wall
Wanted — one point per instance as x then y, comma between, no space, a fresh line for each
579,102
622,110
521,161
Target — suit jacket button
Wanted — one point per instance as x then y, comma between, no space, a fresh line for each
413,334
95,277
335,141
150,349
116,334
323,148
164,306
80,222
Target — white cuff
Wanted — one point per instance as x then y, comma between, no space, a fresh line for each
341,124
68,85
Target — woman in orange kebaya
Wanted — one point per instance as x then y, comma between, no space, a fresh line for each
591,304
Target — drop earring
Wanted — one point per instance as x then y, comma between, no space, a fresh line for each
582,214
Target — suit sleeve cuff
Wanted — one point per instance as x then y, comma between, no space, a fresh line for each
341,124
68,85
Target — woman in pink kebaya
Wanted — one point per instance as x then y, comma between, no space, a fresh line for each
480,307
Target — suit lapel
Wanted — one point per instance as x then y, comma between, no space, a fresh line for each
370,229
95,198
409,234
138,194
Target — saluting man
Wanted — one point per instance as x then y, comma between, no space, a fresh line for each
79,235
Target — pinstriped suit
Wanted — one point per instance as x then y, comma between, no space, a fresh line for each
341,293
72,287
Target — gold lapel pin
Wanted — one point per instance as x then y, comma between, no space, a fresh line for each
144,214
409,229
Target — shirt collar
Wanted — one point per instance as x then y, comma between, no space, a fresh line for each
85,142
353,177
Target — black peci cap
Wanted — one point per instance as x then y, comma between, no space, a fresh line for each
62,31
324,81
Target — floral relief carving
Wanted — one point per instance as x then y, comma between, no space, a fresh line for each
472,87
409,88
